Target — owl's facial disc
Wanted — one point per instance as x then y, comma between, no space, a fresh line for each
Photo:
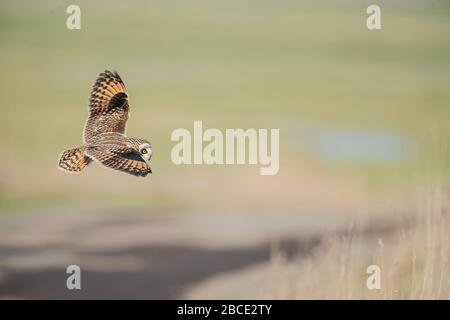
146,151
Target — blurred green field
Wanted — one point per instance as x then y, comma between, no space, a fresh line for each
271,64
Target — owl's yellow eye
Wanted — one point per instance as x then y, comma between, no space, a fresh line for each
144,151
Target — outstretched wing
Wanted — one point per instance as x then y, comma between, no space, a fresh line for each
108,106
119,158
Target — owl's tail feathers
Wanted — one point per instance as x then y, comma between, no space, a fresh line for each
73,160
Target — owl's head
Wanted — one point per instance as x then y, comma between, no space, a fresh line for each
143,147
146,151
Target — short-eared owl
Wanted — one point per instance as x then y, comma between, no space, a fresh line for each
104,138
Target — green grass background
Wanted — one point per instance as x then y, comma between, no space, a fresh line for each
229,63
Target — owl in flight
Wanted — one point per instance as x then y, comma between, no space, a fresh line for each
104,138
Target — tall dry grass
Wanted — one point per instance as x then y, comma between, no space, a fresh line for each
414,258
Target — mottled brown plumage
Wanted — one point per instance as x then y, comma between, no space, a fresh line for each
104,132
74,160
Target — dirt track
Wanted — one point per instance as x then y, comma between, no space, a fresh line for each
136,254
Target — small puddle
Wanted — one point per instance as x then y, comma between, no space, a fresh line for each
359,145
345,144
